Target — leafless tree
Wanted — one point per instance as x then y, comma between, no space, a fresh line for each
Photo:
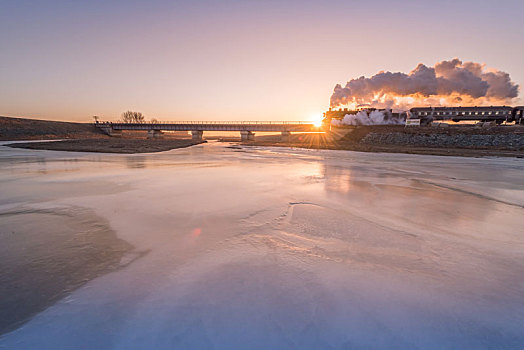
154,121
95,117
132,117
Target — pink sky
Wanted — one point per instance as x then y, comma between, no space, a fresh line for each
234,60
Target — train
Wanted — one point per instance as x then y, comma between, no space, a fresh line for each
426,115
498,114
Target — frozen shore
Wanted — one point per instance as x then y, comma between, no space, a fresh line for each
256,247
46,253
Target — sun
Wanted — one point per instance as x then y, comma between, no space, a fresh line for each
316,119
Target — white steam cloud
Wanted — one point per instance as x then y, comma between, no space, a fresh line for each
447,83
372,118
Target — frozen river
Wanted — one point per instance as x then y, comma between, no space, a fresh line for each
225,247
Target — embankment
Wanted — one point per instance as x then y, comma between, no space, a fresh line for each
34,129
451,140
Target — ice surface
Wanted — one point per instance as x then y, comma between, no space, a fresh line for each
275,248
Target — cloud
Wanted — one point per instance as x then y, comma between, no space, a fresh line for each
446,83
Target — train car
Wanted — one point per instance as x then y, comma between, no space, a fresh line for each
518,115
499,114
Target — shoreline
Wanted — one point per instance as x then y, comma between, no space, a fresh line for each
137,146
433,151
449,141
109,145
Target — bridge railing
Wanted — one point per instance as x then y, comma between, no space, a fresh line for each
101,123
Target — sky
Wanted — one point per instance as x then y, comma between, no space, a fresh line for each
231,60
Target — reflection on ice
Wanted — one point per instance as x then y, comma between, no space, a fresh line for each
137,162
287,249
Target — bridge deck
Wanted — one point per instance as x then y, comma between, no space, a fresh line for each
214,126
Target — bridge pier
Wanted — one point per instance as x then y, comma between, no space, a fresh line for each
284,137
115,133
196,135
155,134
247,136
108,130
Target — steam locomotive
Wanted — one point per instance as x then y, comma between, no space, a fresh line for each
498,114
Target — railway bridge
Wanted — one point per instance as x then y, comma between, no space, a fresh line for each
247,129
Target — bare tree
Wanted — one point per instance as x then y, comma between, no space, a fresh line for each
132,117
95,117
154,121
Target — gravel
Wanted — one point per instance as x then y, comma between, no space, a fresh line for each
498,141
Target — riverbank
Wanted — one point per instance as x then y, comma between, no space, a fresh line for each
12,129
452,140
466,141
109,145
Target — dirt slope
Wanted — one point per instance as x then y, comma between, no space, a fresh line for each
33,129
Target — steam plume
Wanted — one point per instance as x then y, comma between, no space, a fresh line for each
447,83
384,117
